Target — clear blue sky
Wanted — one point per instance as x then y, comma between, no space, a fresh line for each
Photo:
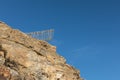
87,32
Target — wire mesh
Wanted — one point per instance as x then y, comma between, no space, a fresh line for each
46,35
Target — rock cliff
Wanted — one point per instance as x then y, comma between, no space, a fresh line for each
25,58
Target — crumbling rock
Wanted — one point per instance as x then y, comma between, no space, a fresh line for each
25,58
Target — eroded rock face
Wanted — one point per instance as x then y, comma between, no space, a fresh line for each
26,58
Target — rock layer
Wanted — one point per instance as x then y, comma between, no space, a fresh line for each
25,58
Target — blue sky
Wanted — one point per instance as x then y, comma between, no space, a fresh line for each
87,32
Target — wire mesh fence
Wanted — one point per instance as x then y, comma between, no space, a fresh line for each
46,35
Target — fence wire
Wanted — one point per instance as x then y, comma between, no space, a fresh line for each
42,35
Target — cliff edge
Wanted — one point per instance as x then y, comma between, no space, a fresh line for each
25,58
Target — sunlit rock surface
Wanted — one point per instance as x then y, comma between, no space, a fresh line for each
25,58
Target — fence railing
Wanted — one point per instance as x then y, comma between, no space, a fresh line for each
46,35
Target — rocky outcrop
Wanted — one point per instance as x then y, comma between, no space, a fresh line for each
25,58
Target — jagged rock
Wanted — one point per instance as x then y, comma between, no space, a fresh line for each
25,58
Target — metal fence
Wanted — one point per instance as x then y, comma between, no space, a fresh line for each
46,35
